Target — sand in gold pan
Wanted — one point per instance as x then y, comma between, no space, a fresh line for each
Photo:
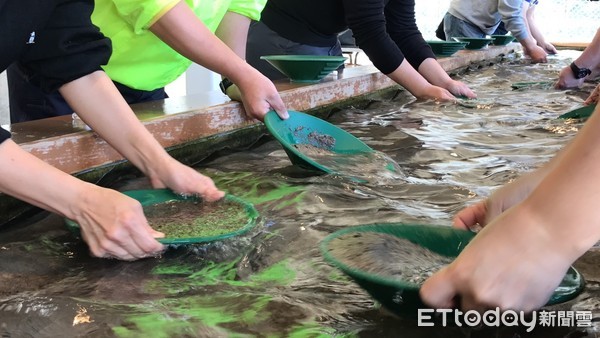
321,140
387,256
192,218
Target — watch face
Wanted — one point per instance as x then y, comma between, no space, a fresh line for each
583,73
580,73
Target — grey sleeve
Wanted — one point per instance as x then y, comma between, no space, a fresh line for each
510,11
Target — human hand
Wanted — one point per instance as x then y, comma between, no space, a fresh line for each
593,98
566,79
548,47
537,54
436,93
259,96
113,225
484,212
514,263
460,89
185,180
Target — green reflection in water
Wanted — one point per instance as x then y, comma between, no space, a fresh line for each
279,273
176,318
337,276
214,273
312,330
221,273
257,190
204,298
220,309
232,315
174,269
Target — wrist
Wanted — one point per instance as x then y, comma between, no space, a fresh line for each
446,83
81,202
528,44
579,71
152,161
424,92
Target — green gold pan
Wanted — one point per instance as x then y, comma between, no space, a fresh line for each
533,85
579,113
402,297
299,127
153,197
305,68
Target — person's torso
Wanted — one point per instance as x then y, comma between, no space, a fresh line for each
140,60
19,21
313,22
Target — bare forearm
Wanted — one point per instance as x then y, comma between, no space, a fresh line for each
590,58
28,178
99,104
528,43
233,31
184,32
536,33
567,197
434,73
406,76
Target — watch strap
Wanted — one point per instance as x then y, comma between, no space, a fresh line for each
225,84
579,73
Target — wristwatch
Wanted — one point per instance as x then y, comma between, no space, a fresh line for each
224,84
579,73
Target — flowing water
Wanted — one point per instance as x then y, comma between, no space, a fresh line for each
387,256
274,281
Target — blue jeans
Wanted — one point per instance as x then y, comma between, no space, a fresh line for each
455,27
29,102
439,32
264,41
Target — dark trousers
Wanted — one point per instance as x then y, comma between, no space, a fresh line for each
29,102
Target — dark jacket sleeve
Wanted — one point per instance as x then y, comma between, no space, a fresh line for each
401,24
4,135
387,32
68,47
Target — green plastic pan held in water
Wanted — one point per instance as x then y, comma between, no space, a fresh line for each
401,296
533,85
303,129
215,221
579,113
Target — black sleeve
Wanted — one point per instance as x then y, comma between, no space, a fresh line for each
387,32
68,47
401,24
4,135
